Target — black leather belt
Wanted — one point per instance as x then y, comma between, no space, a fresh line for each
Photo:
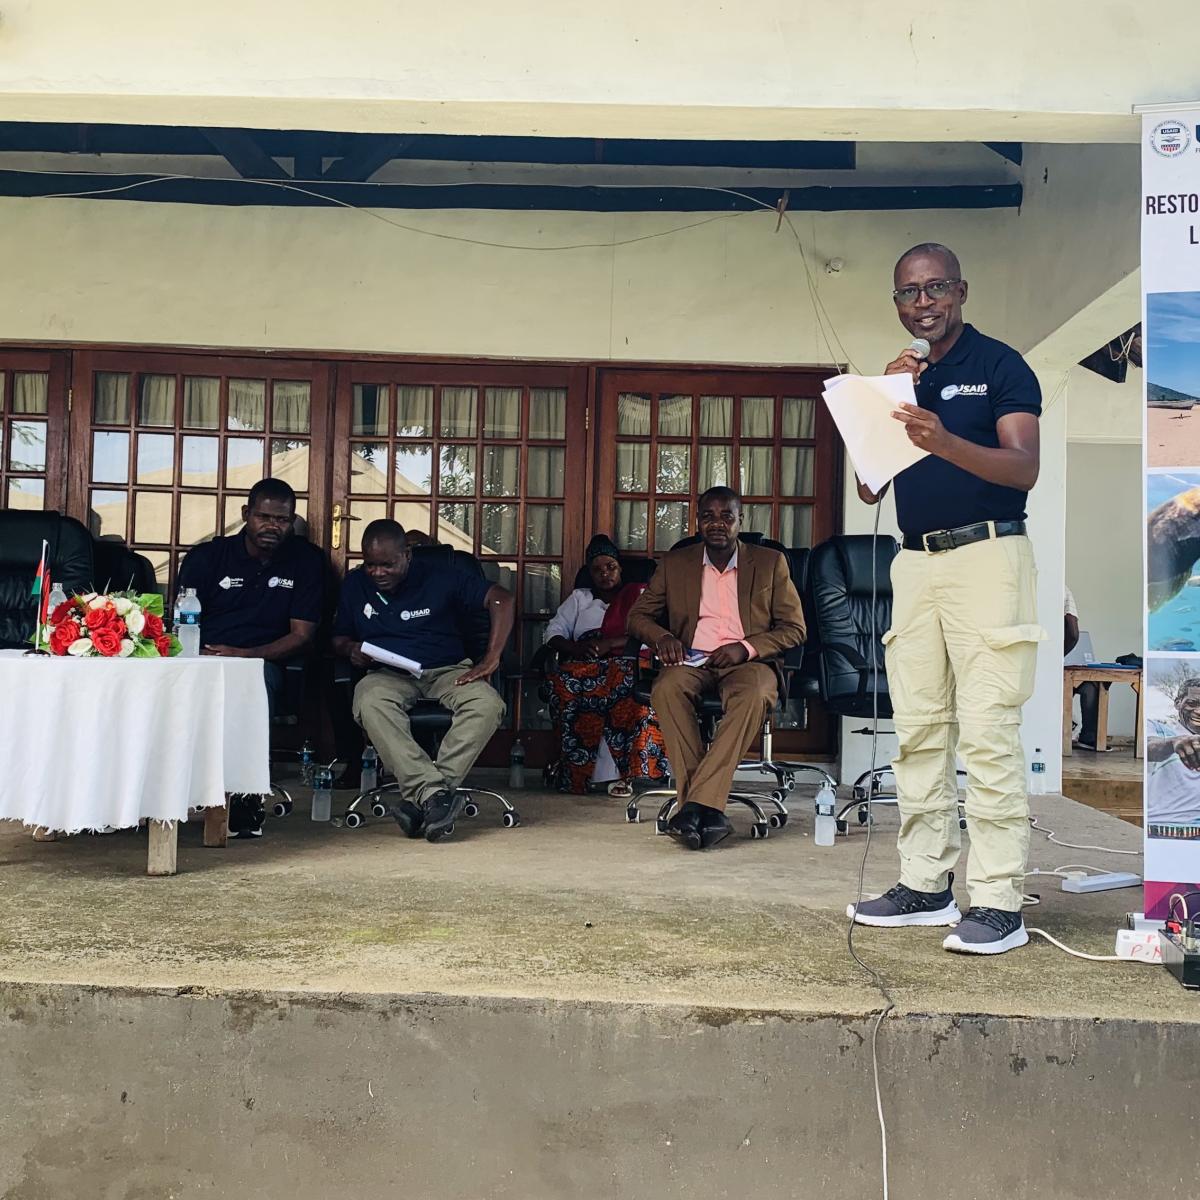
951,539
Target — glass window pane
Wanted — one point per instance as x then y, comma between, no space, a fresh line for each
110,458
716,416
201,402
368,468
758,416
199,462
633,467
364,512
796,471
155,458
543,587
547,465
533,636
456,473
456,526
502,417
535,709
30,393
501,471
369,417
629,524
412,514
247,404
290,406
414,410
675,469
110,405
414,469
152,518
160,560
633,415
757,470
675,416
795,524
197,518
244,462
548,413
27,493
756,518
505,574
106,517
460,411
543,529
498,529
27,445
714,467
233,514
670,524
156,400
289,462
799,417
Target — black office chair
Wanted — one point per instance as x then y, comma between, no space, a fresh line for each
850,585
69,556
428,719
117,568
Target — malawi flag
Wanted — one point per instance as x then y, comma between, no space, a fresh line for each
41,586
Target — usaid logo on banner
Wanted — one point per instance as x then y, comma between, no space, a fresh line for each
963,389
1170,138
411,614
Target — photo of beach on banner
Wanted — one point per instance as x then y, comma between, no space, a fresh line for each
1172,361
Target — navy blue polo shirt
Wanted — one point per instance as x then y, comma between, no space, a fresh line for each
422,619
246,601
979,381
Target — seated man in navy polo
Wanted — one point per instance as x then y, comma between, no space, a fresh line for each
417,609
260,597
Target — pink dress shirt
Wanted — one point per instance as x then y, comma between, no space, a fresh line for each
720,621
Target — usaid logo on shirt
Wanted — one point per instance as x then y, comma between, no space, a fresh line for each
411,614
369,611
229,582
963,389
277,582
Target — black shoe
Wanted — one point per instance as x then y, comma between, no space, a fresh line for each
442,809
408,816
903,906
715,827
686,826
987,931
247,816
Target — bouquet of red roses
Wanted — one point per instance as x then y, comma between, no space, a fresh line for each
115,625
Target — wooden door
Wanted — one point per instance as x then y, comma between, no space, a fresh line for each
34,405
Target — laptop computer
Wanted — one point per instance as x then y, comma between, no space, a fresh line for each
1083,655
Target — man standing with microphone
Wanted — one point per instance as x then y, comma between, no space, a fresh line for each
962,648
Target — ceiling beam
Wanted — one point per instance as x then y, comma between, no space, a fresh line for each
244,154
362,163
1012,151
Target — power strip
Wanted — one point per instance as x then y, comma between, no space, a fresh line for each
1078,882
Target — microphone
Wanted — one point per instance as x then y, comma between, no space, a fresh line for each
920,347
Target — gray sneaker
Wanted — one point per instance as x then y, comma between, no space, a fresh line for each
987,931
903,906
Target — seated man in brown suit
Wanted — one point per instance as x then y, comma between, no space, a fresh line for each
736,603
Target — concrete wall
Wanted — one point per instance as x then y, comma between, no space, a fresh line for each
1018,70
293,1097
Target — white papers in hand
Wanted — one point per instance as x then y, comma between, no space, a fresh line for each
862,407
379,654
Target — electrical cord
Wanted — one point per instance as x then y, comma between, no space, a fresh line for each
1052,836
1079,953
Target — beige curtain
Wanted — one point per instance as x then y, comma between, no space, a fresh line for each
414,410
459,411
548,413
716,416
675,416
633,467
546,471
502,471
30,393
502,413
156,400
796,471
543,529
290,407
799,417
498,528
757,467
633,415
247,404
201,403
758,416
111,404
714,467
629,524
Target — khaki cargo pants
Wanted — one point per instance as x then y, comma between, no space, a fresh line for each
960,656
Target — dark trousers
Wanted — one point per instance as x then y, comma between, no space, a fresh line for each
273,677
1089,709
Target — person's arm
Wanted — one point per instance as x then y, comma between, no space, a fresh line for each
787,624
560,629
501,609
1014,463
645,615
866,495
1186,747
346,643
1070,633
299,635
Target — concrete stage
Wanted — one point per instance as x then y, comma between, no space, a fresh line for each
572,1009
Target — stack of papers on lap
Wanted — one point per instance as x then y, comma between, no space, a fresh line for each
862,407
379,654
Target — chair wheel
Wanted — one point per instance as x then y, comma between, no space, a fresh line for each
864,815
281,808
842,826
760,830
379,809
471,810
779,795
633,815
354,820
660,826
777,820
790,783
510,820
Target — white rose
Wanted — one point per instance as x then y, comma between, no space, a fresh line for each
97,602
80,647
122,605
135,620
126,648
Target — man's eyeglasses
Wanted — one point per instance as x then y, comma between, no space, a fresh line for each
934,290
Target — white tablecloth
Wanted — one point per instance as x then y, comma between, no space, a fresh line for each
89,743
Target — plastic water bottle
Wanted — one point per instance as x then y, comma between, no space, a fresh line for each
1037,774
370,769
322,801
306,761
825,828
57,596
516,766
188,629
